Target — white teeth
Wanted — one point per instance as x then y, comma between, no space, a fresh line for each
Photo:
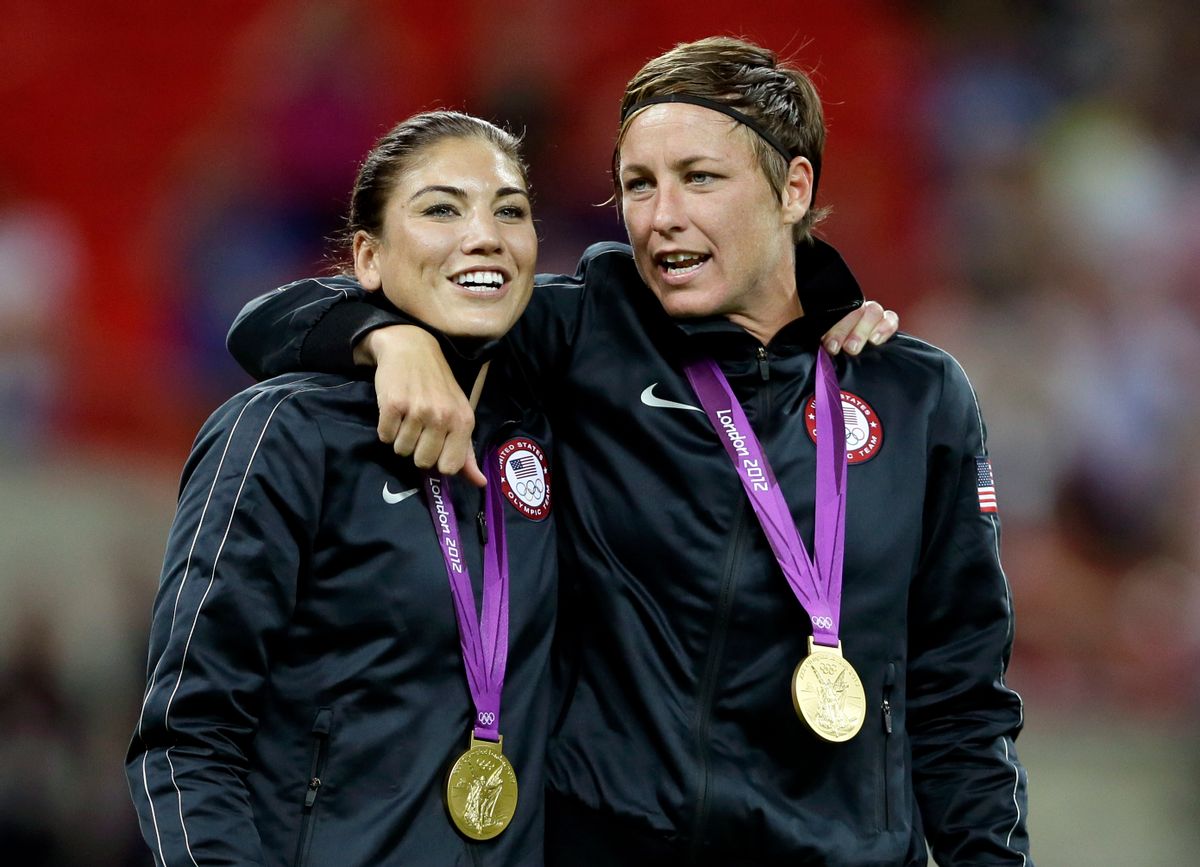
673,263
479,280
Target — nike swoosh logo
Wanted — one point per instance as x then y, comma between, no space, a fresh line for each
389,497
649,399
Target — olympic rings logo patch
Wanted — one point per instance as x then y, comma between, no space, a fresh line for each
486,717
525,477
822,622
864,432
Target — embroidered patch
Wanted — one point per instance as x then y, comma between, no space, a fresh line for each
864,432
986,483
525,478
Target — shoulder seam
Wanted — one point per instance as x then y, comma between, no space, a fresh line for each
320,281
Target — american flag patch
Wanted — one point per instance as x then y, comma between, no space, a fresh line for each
523,467
986,484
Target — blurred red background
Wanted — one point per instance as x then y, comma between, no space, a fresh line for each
136,123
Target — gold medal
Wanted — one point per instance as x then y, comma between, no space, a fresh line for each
481,791
827,693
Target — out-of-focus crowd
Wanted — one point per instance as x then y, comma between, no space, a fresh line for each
1063,231
1020,179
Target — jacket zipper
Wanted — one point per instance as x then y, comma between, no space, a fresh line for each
885,710
708,684
716,651
320,738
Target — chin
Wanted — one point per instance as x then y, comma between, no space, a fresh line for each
689,308
472,323
478,330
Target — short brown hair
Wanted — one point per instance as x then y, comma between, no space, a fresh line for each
752,80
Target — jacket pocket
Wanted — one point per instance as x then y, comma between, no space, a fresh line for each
887,807
316,768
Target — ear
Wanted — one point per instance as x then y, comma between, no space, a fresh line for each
797,190
366,261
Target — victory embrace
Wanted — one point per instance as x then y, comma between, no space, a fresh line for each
690,545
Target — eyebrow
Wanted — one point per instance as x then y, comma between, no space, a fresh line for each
685,163
459,192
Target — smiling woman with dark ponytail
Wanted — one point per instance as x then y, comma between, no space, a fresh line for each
349,657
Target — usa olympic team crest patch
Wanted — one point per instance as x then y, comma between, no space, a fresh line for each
525,477
864,432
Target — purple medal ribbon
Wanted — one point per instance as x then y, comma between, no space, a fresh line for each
817,582
484,640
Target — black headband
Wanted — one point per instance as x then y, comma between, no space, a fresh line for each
786,152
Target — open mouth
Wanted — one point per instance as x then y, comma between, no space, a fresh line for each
481,281
679,264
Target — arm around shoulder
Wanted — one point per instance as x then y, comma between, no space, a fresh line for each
312,324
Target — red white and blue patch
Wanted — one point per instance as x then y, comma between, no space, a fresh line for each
864,432
986,483
525,478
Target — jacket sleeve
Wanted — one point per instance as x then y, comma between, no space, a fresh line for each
242,534
312,324
962,718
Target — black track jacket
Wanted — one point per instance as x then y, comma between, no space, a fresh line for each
306,694
678,742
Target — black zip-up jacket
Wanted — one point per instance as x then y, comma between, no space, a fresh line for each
679,743
306,692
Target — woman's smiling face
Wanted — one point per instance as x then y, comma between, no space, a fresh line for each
458,248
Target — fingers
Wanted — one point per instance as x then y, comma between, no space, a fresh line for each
423,412
444,444
428,448
836,336
887,329
871,315
408,434
433,437
392,414
870,323
472,473
456,451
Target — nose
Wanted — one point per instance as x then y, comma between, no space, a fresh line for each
482,233
668,215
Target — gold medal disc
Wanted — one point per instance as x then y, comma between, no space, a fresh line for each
827,693
481,791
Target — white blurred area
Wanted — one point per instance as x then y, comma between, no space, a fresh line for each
1051,217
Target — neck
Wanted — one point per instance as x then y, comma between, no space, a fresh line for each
776,300
769,317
